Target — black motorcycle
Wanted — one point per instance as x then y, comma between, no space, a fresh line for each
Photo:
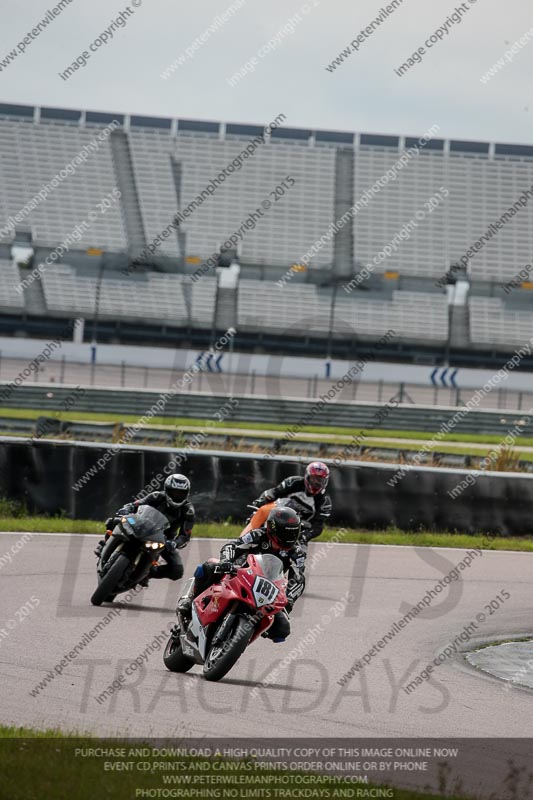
129,553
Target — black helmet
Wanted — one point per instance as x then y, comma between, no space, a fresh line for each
283,527
177,488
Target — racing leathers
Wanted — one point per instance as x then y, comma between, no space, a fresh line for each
236,551
178,533
313,510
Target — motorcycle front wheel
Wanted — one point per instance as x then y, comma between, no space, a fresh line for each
108,584
174,658
222,656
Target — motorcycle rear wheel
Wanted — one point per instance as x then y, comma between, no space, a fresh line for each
108,584
226,655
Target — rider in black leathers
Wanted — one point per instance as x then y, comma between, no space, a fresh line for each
174,503
280,537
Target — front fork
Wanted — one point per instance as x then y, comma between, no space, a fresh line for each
182,627
112,546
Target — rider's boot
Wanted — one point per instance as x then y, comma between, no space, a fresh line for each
184,605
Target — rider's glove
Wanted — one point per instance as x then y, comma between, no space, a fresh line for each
129,508
228,552
305,532
300,561
263,499
225,567
182,541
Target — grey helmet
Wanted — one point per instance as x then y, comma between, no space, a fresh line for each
177,489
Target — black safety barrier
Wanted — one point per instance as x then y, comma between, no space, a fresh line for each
44,474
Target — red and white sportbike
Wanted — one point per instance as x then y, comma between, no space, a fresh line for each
227,617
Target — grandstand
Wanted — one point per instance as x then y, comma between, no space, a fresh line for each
162,167
11,301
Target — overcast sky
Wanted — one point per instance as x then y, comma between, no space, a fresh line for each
362,94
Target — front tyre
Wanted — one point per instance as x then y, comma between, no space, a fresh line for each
174,658
107,586
222,657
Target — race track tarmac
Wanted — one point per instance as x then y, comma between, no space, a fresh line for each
53,576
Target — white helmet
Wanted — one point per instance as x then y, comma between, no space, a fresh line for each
177,488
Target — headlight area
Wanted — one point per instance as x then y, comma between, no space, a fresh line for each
154,545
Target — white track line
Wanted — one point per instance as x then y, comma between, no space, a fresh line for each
320,542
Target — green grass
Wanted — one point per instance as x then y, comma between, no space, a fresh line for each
451,444
260,427
226,530
496,642
37,765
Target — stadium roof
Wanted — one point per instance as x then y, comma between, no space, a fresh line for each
301,135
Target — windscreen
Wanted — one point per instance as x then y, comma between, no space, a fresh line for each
271,566
147,520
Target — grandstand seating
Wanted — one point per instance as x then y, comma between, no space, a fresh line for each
31,156
285,231
424,252
9,280
174,160
480,191
493,323
296,309
161,297
151,152
483,182
203,296
412,315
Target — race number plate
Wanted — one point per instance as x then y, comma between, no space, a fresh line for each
264,591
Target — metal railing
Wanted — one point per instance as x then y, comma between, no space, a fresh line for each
127,376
